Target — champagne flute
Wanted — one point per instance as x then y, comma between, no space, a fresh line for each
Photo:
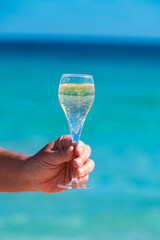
76,96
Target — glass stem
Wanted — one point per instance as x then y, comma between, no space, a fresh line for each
75,138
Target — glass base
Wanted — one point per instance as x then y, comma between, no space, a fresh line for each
74,185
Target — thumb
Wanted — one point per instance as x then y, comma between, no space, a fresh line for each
65,155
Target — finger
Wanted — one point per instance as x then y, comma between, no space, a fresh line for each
59,157
79,148
61,143
79,161
83,150
84,179
86,168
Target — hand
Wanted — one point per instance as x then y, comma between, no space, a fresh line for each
53,164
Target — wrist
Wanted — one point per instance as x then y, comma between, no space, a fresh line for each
26,177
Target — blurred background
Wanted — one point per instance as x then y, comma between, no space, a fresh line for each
118,42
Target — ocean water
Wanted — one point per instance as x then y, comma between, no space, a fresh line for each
122,128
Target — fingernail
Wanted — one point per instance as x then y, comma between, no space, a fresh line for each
81,170
79,161
70,149
80,148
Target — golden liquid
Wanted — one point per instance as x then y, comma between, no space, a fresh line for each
76,100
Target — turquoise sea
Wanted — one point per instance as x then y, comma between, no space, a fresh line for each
122,128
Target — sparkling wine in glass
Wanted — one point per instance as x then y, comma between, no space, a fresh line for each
76,96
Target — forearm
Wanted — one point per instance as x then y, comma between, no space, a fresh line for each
12,175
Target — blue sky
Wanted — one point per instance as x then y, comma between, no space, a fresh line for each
122,18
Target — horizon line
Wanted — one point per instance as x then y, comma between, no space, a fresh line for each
77,39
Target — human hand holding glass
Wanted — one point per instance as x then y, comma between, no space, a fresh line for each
76,96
